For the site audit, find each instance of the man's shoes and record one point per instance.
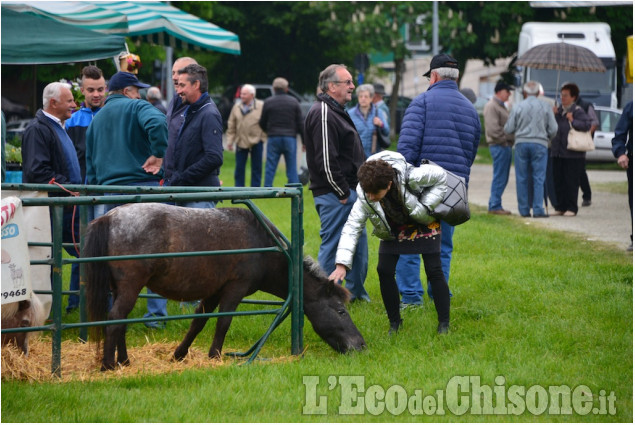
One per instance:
(630, 247)
(395, 326)
(155, 325)
(71, 309)
(410, 306)
(586, 202)
(569, 214)
(363, 298)
(556, 212)
(525, 215)
(499, 212)
(443, 328)
(543, 215)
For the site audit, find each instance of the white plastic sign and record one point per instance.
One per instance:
(16, 273)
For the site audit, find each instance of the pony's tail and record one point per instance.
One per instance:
(98, 275)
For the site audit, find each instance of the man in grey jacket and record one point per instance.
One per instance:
(534, 125)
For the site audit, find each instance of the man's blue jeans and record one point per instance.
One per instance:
(333, 216)
(256, 165)
(156, 306)
(530, 165)
(68, 228)
(502, 162)
(408, 273)
(281, 145)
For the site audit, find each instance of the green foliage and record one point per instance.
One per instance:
(13, 153)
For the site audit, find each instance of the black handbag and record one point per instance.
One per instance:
(454, 209)
(382, 140)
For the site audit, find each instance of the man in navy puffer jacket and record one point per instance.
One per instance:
(440, 125)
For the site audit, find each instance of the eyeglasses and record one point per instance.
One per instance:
(347, 82)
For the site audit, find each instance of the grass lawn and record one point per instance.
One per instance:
(534, 316)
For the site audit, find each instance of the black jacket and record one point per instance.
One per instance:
(42, 153)
(334, 150)
(281, 116)
(197, 151)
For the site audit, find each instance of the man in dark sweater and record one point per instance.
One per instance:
(281, 119)
(334, 154)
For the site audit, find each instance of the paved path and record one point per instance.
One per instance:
(607, 219)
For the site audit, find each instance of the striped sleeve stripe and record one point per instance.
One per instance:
(326, 151)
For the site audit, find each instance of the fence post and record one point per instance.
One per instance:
(56, 308)
(297, 261)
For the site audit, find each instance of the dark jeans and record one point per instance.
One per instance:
(585, 186)
(386, 266)
(629, 176)
(68, 228)
(566, 176)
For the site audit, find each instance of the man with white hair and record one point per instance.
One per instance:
(154, 97)
(244, 132)
(533, 124)
(334, 153)
(48, 155)
(440, 125)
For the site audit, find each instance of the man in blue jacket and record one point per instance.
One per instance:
(440, 125)
(125, 145)
(197, 150)
(48, 155)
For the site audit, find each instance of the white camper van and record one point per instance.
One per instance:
(596, 87)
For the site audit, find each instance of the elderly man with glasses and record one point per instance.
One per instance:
(334, 154)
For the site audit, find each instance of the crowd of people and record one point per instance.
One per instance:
(124, 140)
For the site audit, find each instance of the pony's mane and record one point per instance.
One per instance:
(313, 268)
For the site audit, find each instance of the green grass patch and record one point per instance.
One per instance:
(530, 310)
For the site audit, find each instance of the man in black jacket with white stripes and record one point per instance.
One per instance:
(334, 154)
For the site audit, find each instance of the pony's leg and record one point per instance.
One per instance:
(229, 302)
(126, 297)
(205, 306)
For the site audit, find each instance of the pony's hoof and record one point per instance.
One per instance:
(180, 355)
(124, 362)
(214, 354)
(107, 366)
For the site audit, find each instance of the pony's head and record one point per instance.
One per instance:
(325, 307)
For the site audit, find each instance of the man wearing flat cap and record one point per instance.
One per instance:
(500, 144)
(378, 101)
(440, 125)
(125, 146)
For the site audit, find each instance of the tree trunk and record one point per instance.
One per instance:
(394, 96)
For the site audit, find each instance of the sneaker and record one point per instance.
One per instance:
(569, 214)
(443, 328)
(410, 306)
(556, 212)
(586, 203)
(363, 298)
(155, 325)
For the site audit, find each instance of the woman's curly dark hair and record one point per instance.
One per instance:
(375, 175)
(572, 88)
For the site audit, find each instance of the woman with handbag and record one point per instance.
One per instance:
(371, 122)
(567, 163)
(398, 199)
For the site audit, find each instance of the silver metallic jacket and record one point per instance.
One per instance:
(425, 190)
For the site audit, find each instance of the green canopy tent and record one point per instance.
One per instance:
(28, 39)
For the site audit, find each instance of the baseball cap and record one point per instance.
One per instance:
(122, 80)
(502, 85)
(442, 61)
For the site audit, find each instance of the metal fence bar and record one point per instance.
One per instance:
(292, 250)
